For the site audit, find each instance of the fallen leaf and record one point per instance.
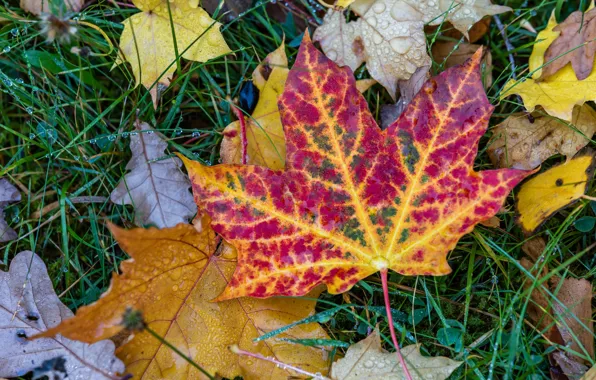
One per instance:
(8, 194)
(155, 186)
(57, 7)
(492, 222)
(147, 42)
(364, 84)
(29, 306)
(476, 32)
(575, 45)
(546, 193)
(557, 94)
(368, 360)
(391, 53)
(451, 53)
(266, 144)
(591, 374)
(353, 199)
(172, 277)
(522, 144)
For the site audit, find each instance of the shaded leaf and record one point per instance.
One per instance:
(522, 144)
(147, 42)
(8, 194)
(543, 195)
(353, 199)
(575, 45)
(452, 53)
(172, 277)
(368, 360)
(585, 224)
(557, 94)
(155, 186)
(29, 306)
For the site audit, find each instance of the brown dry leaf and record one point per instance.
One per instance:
(407, 90)
(57, 7)
(155, 185)
(522, 144)
(451, 53)
(576, 44)
(367, 360)
(172, 277)
(29, 306)
(8, 194)
(493, 222)
(476, 32)
(590, 375)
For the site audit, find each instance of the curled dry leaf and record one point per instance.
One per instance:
(368, 360)
(172, 277)
(451, 53)
(57, 7)
(29, 306)
(407, 90)
(147, 41)
(576, 44)
(559, 93)
(353, 199)
(8, 194)
(522, 144)
(543, 195)
(155, 186)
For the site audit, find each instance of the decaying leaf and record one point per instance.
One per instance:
(392, 48)
(57, 7)
(367, 360)
(155, 186)
(543, 195)
(8, 194)
(172, 277)
(353, 199)
(266, 144)
(147, 41)
(560, 92)
(451, 53)
(407, 90)
(29, 306)
(522, 144)
(576, 44)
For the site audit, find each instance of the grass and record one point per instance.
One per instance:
(65, 122)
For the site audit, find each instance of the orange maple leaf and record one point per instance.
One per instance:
(354, 199)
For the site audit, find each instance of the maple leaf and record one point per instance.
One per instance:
(353, 199)
(368, 360)
(8, 194)
(172, 277)
(575, 44)
(155, 186)
(451, 53)
(28, 306)
(147, 42)
(524, 144)
(543, 195)
(558, 93)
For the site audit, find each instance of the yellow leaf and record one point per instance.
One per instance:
(364, 84)
(543, 195)
(172, 277)
(557, 94)
(147, 42)
(266, 143)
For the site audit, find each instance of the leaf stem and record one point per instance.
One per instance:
(238, 351)
(243, 139)
(390, 319)
(170, 346)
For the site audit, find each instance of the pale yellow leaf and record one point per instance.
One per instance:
(57, 7)
(147, 41)
(367, 360)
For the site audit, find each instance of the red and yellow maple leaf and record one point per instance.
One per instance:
(354, 199)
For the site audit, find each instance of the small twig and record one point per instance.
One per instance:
(391, 328)
(243, 139)
(237, 350)
(509, 48)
